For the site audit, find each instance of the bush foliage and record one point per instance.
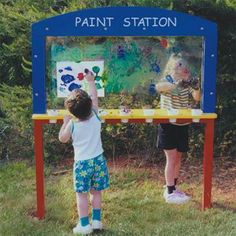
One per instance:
(15, 76)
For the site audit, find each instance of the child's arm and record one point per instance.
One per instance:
(65, 131)
(196, 95)
(92, 89)
(165, 87)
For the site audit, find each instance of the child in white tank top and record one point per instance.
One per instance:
(90, 167)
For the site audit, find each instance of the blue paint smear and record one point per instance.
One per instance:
(120, 52)
(60, 70)
(156, 68)
(67, 78)
(68, 68)
(74, 86)
(152, 89)
(169, 79)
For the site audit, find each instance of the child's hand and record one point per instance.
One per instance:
(191, 82)
(195, 83)
(89, 75)
(183, 83)
(67, 118)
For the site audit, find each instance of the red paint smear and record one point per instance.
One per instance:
(164, 43)
(80, 76)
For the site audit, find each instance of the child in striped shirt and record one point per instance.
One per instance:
(177, 90)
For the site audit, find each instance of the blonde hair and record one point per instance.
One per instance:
(173, 60)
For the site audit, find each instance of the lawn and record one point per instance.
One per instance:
(132, 206)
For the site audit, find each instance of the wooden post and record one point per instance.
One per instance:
(38, 149)
(208, 163)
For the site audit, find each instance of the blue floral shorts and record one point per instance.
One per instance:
(91, 174)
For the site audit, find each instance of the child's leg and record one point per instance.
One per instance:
(83, 226)
(82, 208)
(182, 146)
(171, 156)
(172, 167)
(177, 166)
(96, 200)
(177, 169)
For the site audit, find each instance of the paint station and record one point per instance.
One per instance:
(122, 56)
(133, 21)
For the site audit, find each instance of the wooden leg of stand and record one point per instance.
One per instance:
(38, 148)
(208, 164)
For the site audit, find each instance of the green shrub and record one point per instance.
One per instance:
(16, 128)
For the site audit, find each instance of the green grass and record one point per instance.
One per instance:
(132, 206)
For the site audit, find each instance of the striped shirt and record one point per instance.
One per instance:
(177, 99)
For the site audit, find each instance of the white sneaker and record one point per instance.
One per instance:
(176, 197)
(183, 194)
(97, 225)
(82, 229)
(177, 191)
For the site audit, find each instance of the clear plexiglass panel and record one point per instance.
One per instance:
(126, 70)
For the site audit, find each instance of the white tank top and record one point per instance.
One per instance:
(86, 138)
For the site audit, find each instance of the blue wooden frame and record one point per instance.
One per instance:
(156, 22)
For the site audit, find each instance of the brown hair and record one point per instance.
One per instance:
(79, 104)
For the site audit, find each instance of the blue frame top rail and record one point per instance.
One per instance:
(124, 21)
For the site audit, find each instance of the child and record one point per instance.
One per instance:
(175, 90)
(90, 167)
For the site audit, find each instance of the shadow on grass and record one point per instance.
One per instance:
(223, 207)
(102, 232)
